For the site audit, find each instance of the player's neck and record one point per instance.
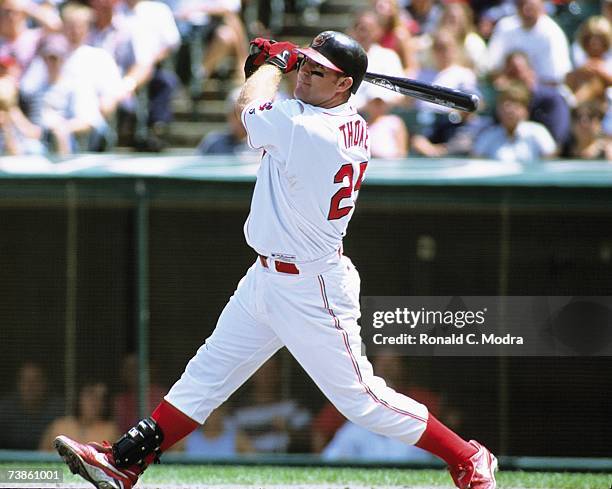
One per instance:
(335, 101)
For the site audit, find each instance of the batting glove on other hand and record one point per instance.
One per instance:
(283, 55)
(258, 53)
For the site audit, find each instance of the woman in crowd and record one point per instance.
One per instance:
(458, 19)
(590, 80)
(91, 421)
(588, 141)
(395, 33)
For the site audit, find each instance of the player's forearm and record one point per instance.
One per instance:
(261, 84)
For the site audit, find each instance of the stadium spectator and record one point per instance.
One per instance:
(112, 33)
(579, 55)
(489, 15)
(395, 33)
(125, 403)
(329, 420)
(17, 39)
(514, 138)
(352, 442)
(18, 135)
(451, 134)
(547, 106)
(458, 19)
(90, 422)
(63, 106)
(88, 68)
(128, 45)
(26, 412)
(425, 15)
(219, 26)
(481, 7)
(535, 33)
(606, 9)
(155, 22)
(449, 71)
(92, 66)
(388, 134)
(219, 437)
(232, 140)
(592, 77)
(588, 141)
(273, 424)
(9, 67)
(367, 30)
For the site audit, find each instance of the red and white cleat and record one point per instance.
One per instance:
(478, 472)
(94, 463)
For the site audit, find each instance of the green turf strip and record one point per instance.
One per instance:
(374, 477)
(264, 475)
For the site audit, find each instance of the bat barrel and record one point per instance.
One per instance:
(435, 94)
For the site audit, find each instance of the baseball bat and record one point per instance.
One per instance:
(449, 97)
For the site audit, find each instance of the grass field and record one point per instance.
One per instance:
(204, 476)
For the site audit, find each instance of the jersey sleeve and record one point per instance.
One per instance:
(270, 125)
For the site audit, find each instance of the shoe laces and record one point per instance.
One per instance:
(459, 472)
(104, 447)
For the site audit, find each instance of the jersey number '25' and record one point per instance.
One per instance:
(346, 170)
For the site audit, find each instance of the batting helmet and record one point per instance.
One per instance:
(340, 53)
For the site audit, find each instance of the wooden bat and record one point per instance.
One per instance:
(455, 99)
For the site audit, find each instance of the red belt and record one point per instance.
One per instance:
(280, 266)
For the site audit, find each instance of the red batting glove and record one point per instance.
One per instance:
(284, 55)
(258, 53)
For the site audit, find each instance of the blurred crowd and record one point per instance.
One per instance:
(543, 71)
(268, 415)
(92, 75)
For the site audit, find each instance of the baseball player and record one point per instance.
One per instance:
(301, 292)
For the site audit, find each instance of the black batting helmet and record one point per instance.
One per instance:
(340, 53)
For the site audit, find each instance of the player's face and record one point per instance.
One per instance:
(318, 85)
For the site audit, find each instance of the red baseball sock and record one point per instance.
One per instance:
(445, 443)
(174, 424)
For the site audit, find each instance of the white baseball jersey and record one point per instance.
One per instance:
(311, 171)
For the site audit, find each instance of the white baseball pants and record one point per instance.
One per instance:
(314, 314)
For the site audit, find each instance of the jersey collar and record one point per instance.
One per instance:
(345, 109)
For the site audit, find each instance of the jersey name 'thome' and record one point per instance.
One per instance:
(310, 174)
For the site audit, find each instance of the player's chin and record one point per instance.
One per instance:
(301, 90)
(300, 94)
